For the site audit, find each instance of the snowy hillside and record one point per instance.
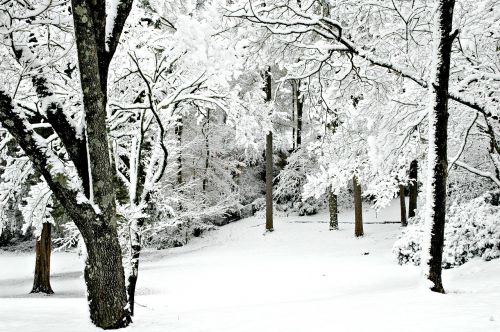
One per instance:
(300, 278)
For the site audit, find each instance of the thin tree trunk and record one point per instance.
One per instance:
(207, 150)
(333, 209)
(402, 205)
(269, 182)
(269, 159)
(358, 208)
(438, 141)
(178, 133)
(294, 108)
(300, 107)
(135, 251)
(413, 188)
(41, 282)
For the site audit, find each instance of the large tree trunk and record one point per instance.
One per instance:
(333, 209)
(438, 139)
(413, 188)
(104, 277)
(358, 208)
(269, 159)
(402, 205)
(41, 282)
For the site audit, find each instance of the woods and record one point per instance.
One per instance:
(128, 126)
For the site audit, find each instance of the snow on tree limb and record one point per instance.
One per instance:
(66, 187)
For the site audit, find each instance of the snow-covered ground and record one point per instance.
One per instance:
(301, 277)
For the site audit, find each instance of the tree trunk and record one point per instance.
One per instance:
(413, 188)
(178, 133)
(438, 139)
(402, 205)
(300, 107)
(207, 150)
(104, 277)
(358, 208)
(269, 182)
(294, 110)
(41, 282)
(269, 159)
(135, 251)
(332, 207)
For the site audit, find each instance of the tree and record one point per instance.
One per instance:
(269, 158)
(333, 210)
(43, 247)
(413, 188)
(438, 141)
(89, 201)
(358, 207)
(402, 205)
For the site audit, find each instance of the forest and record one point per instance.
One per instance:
(250, 165)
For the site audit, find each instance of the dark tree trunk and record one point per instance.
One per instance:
(104, 277)
(178, 133)
(206, 131)
(358, 208)
(413, 188)
(135, 248)
(300, 107)
(402, 205)
(438, 159)
(333, 209)
(269, 159)
(294, 107)
(269, 182)
(43, 247)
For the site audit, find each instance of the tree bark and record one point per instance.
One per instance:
(43, 247)
(105, 279)
(438, 134)
(178, 133)
(402, 205)
(269, 182)
(358, 208)
(333, 209)
(413, 188)
(300, 107)
(135, 251)
(269, 159)
(294, 110)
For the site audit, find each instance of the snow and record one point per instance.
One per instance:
(111, 13)
(301, 277)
